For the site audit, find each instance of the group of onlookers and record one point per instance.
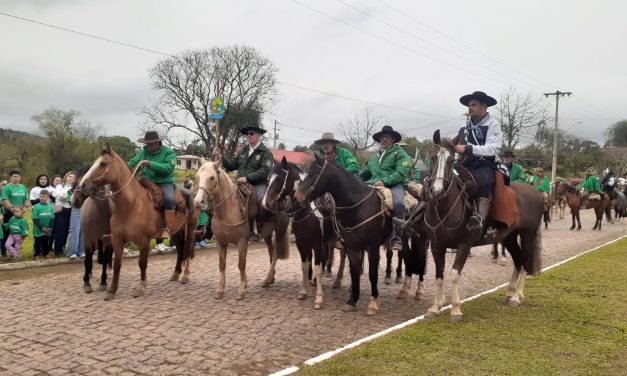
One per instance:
(53, 220)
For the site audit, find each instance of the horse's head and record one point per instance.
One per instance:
(105, 170)
(208, 180)
(311, 186)
(282, 187)
(442, 156)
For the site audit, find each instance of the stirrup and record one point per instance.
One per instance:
(165, 233)
(474, 224)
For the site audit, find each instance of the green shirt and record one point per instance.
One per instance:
(16, 194)
(161, 168)
(543, 186)
(203, 218)
(18, 226)
(517, 175)
(45, 214)
(390, 166)
(591, 184)
(256, 168)
(345, 159)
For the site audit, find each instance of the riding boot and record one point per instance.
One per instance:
(476, 221)
(395, 242)
(169, 223)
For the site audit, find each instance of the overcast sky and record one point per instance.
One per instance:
(420, 56)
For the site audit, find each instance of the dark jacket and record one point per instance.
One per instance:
(257, 168)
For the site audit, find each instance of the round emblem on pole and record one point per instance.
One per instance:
(216, 108)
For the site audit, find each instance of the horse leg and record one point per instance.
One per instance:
(107, 255)
(354, 263)
(243, 282)
(319, 264)
(389, 255)
(273, 257)
(399, 268)
(187, 254)
(305, 258)
(512, 297)
(406, 254)
(460, 260)
(222, 266)
(373, 274)
(143, 265)
(439, 259)
(330, 256)
(340, 271)
(421, 266)
(118, 249)
(495, 253)
(502, 258)
(88, 268)
(180, 251)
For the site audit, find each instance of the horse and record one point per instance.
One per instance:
(96, 232)
(414, 254)
(230, 225)
(574, 201)
(446, 214)
(137, 218)
(314, 235)
(362, 219)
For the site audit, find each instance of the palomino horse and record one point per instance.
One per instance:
(574, 201)
(137, 219)
(313, 235)
(448, 209)
(361, 218)
(230, 225)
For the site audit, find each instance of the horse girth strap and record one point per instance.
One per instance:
(351, 229)
(357, 204)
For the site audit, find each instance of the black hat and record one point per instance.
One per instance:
(509, 153)
(387, 130)
(245, 130)
(480, 96)
(149, 136)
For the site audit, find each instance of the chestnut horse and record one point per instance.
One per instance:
(136, 219)
(574, 201)
(230, 225)
(446, 214)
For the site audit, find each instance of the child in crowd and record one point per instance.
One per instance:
(18, 230)
(13, 195)
(43, 219)
(203, 218)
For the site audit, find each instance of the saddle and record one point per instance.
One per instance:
(247, 199)
(183, 198)
(594, 196)
(503, 207)
(410, 201)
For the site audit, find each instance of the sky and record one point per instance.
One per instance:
(409, 61)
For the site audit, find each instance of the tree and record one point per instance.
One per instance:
(282, 146)
(519, 115)
(301, 148)
(357, 132)
(617, 134)
(240, 75)
(122, 145)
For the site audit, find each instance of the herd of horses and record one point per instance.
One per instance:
(322, 204)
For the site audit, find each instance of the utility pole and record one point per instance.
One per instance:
(557, 94)
(274, 135)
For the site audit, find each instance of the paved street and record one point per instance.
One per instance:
(50, 327)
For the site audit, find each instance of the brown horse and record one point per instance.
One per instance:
(137, 219)
(574, 201)
(230, 225)
(447, 212)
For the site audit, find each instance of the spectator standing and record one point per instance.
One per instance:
(43, 220)
(55, 181)
(13, 195)
(63, 211)
(42, 182)
(76, 247)
(18, 230)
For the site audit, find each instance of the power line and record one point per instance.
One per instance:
(176, 57)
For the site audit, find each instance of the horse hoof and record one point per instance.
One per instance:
(371, 311)
(418, 296)
(240, 295)
(102, 288)
(579, 229)
(431, 314)
(399, 280)
(494, 261)
(313, 282)
(87, 289)
(388, 280)
(336, 285)
(402, 294)
(109, 296)
(506, 299)
(218, 295)
(349, 308)
(267, 282)
(301, 296)
(328, 273)
(185, 280)
(317, 306)
(513, 303)
(138, 292)
(456, 318)
(503, 262)
(175, 277)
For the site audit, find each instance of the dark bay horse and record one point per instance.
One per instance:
(230, 225)
(314, 236)
(137, 219)
(446, 214)
(361, 217)
(574, 201)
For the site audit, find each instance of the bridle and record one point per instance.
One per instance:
(316, 180)
(282, 195)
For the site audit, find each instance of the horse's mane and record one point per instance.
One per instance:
(352, 178)
(278, 166)
(447, 143)
(568, 187)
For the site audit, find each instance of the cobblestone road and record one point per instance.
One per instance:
(48, 326)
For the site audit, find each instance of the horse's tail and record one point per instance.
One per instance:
(533, 245)
(282, 238)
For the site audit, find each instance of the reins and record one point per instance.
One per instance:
(244, 214)
(441, 220)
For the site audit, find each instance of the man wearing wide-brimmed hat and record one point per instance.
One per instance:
(333, 153)
(608, 184)
(253, 163)
(158, 162)
(389, 167)
(480, 141)
(591, 183)
(516, 173)
(542, 184)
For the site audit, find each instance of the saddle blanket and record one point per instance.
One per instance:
(594, 196)
(410, 202)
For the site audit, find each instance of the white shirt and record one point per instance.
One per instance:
(61, 193)
(251, 150)
(34, 193)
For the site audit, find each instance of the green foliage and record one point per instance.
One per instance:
(423, 147)
(617, 134)
(122, 145)
(23, 151)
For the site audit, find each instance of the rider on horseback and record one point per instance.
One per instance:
(158, 163)
(609, 184)
(333, 153)
(253, 163)
(516, 173)
(590, 185)
(389, 168)
(480, 141)
(541, 183)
